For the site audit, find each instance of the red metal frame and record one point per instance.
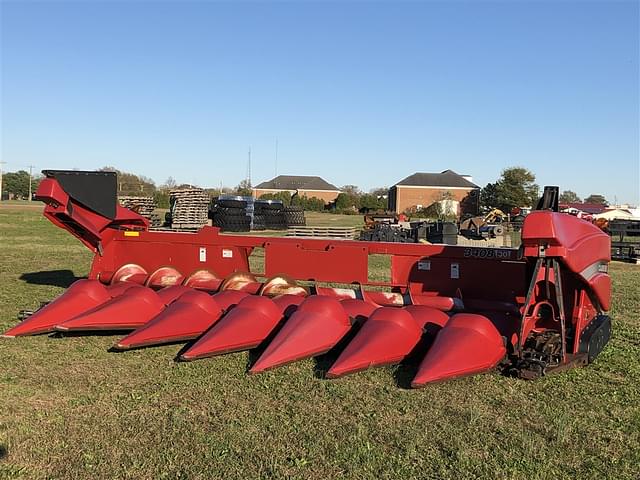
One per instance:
(88, 226)
(426, 269)
(482, 278)
(556, 282)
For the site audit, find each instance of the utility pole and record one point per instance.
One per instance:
(276, 156)
(30, 177)
(1, 163)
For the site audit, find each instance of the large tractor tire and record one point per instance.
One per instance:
(236, 223)
(232, 222)
(230, 210)
(294, 216)
(271, 206)
(228, 203)
(274, 219)
(259, 222)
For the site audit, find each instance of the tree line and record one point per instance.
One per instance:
(350, 200)
(16, 184)
(516, 187)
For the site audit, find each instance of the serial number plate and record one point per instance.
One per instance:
(499, 253)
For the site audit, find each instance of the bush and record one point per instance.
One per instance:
(372, 202)
(312, 204)
(345, 201)
(284, 197)
(161, 198)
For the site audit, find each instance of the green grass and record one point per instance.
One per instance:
(320, 219)
(71, 409)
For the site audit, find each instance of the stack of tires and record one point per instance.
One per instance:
(230, 214)
(259, 220)
(294, 216)
(268, 215)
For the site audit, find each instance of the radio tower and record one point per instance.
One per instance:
(249, 169)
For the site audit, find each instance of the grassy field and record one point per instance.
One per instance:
(71, 409)
(327, 219)
(320, 219)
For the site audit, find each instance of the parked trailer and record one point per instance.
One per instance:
(460, 310)
(625, 245)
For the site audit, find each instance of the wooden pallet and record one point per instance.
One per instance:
(145, 206)
(189, 208)
(322, 232)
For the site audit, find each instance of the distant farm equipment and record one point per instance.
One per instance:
(625, 240)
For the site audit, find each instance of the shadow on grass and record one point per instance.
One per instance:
(404, 374)
(185, 347)
(57, 278)
(408, 368)
(3, 452)
(255, 353)
(89, 333)
(176, 358)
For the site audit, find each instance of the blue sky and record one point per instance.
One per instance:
(358, 93)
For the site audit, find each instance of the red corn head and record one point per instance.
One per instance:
(183, 320)
(241, 281)
(339, 293)
(446, 304)
(358, 310)
(203, 280)
(428, 317)
(467, 344)
(386, 299)
(288, 303)
(81, 296)
(387, 337)
(245, 327)
(317, 325)
(119, 288)
(229, 298)
(130, 273)
(164, 277)
(135, 307)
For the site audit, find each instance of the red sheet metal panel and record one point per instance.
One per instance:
(341, 263)
(186, 252)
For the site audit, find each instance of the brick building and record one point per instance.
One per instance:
(421, 190)
(303, 186)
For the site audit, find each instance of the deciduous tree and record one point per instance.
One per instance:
(516, 187)
(569, 197)
(596, 198)
(244, 188)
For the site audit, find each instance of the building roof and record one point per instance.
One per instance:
(297, 182)
(445, 179)
(616, 213)
(591, 208)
